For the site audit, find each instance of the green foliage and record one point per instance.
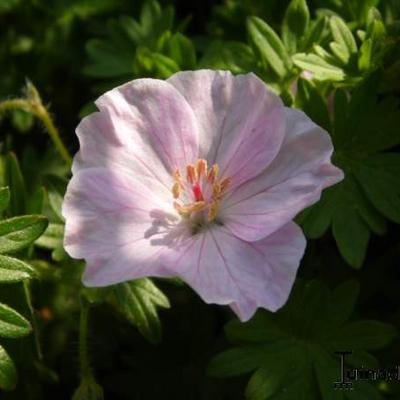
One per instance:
(291, 352)
(269, 47)
(295, 24)
(18, 232)
(14, 270)
(364, 130)
(345, 61)
(15, 234)
(8, 374)
(148, 47)
(12, 324)
(138, 300)
(4, 198)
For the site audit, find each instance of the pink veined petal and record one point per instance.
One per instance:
(293, 181)
(241, 121)
(103, 144)
(117, 224)
(150, 119)
(224, 269)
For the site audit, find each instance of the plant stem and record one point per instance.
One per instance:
(35, 107)
(48, 123)
(33, 318)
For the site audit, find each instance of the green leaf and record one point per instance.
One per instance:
(295, 23)
(14, 270)
(326, 371)
(108, 61)
(52, 237)
(365, 56)
(235, 362)
(139, 300)
(340, 115)
(36, 201)
(379, 176)
(312, 103)
(18, 232)
(182, 51)
(8, 374)
(233, 56)
(369, 335)
(4, 198)
(270, 47)
(262, 384)
(340, 52)
(164, 65)
(12, 324)
(319, 67)
(363, 128)
(342, 35)
(317, 219)
(351, 234)
(315, 34)
(301, 362)
(343, 301)
(56, 187)
(126, 51)
(15, 181)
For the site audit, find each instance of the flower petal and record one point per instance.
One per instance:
(117, 224)
(103, 144)
(293, 181)
(151, 118)
(224, 269)
(241, 121)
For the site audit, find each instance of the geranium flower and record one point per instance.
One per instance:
(199, 177)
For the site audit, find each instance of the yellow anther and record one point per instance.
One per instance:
(191, 174)
(176, 190)
(182, 210)
(197, 206)
(216, 190)
(225, 184)
(177, 176)
(213, 210)
(202, 189)
(202, 168)
(212, 175)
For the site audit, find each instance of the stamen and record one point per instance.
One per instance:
(185, 211)
(191, 174)
(202, 168)
(213, 210)
(216, 190)
(176, 190)
(197, 206)
(182, 210)
(177, 176)
(212, 175)
(225, 184)
(200, 193)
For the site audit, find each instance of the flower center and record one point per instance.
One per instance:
(200, 192)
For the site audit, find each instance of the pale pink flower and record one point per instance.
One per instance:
(199, 177)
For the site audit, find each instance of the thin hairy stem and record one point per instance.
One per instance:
(34, 106)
